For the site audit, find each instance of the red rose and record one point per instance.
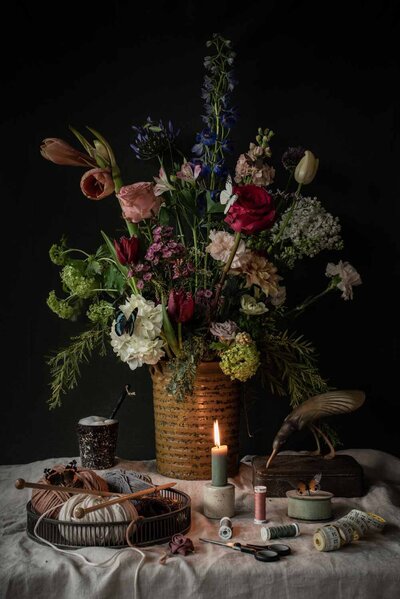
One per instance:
(253, 210)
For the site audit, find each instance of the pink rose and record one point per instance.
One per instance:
(138, 201)
(97, 183)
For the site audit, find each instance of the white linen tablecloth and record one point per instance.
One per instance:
(368, 569)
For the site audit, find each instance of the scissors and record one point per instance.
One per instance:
(262, 553)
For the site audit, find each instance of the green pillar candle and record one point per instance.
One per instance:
(219, 455)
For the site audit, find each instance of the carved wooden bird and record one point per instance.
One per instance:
(319, 406)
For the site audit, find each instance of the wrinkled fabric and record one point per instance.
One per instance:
(368, 569)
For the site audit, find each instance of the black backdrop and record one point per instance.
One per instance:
(314, 73)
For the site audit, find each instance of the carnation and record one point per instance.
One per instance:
(259, 271)
(346, 275)
(221, 246)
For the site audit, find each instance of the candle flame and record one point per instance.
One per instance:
(217, 439)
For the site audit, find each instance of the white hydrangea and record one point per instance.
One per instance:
(143, 346)
(310, 230)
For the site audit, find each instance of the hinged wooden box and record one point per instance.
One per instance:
(342, 476)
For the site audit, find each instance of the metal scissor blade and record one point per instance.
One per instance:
(229, 545)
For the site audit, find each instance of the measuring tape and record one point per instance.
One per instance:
(344, 531)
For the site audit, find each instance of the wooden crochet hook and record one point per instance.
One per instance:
(79, 512)
(20, 483)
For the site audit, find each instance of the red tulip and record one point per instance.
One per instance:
(180, 305)
(127, 250)
(97, 183)
(60, 152)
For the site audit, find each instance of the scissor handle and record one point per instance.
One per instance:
(266, 555)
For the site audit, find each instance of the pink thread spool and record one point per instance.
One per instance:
(260, 496)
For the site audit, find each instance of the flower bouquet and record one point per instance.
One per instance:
(202, 273)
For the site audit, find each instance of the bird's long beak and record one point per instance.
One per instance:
(271, 457)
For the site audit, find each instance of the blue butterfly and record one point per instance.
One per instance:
(124, 325)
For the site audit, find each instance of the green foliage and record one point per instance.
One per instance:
(66, 364)
(100, 312)
(183, 367)
(289, 367)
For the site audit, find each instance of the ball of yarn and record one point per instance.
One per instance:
(102, 534)
(43, 500)
(126, 481)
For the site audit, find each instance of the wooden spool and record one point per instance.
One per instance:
(184, 429)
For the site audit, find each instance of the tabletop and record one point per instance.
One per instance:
(367, 569)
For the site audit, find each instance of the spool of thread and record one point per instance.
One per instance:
(94, 535)
(279, 532)
(225, 528)
(260, 496)
(43, 500)
(347, 529)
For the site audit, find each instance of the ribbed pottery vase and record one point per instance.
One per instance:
(184, 429)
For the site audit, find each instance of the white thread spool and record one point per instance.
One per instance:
(95, 535)
(225, 528)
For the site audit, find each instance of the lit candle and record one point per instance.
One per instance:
(219, 455)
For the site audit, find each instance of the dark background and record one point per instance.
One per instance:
(313, 72)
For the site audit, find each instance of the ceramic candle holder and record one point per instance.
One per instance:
(219, 501)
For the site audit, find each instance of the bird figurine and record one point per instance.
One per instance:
(314, 408)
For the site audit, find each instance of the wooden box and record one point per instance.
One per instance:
(342, 476)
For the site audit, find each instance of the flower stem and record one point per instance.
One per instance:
(287, 219)
(180, 335)
(76, 250)
(308, 302)
(226, 269)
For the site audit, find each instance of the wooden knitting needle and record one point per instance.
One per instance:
(20, 483)
(79, 512)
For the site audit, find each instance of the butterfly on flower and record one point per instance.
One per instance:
(311, 487)
(124, 325)
(226, 197)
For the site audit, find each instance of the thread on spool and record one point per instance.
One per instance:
(43, 501)
(260, 496)
(279, 532)
(96, 535)
(225, 528)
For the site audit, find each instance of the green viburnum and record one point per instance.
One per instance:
(57, 253)
(60, 307)
(76, 283)
(240, 361)
(100, 312)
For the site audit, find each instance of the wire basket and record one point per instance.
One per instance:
(149, 531)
